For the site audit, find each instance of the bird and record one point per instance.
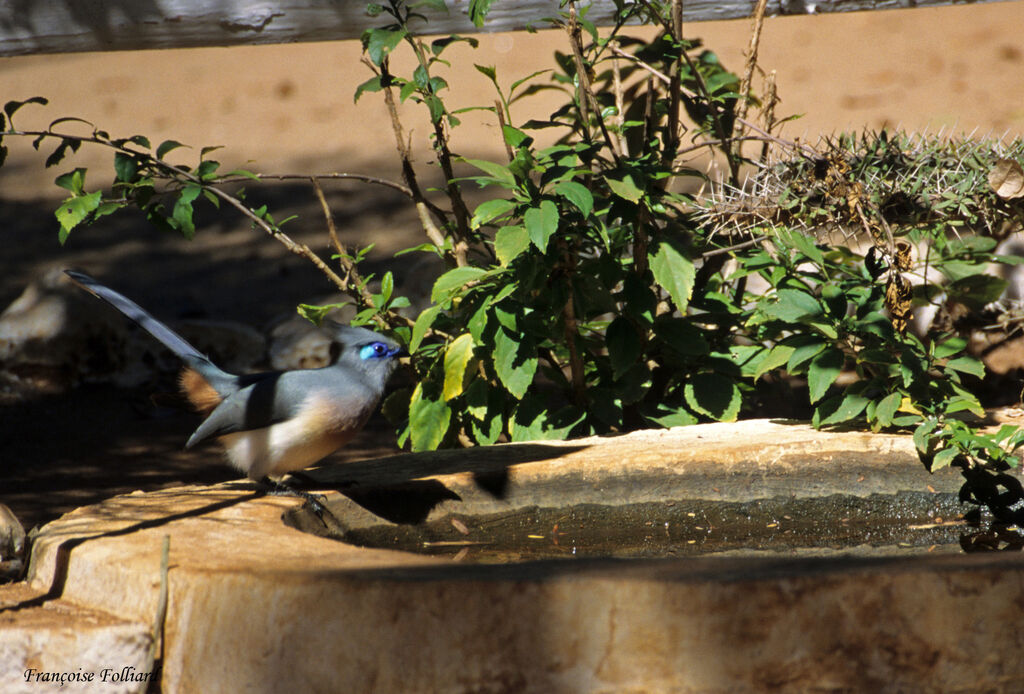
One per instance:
(276, 422)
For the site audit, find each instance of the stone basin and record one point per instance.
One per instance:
(259, 595)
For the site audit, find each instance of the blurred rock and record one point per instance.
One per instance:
(55, 336)
(12, 546)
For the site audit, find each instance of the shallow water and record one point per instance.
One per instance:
(907, 522)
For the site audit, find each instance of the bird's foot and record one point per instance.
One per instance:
(317, 502)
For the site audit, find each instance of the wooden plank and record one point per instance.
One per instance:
(61, 26)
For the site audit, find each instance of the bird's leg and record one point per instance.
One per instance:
(316, 501)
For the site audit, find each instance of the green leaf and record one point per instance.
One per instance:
(515, 361)
(429, 419)
(436, 5)
(453, 280)
(671, 418)
(541, 223)
(371, 85)
(626, 189)
(478, 10)
(624, 346)
(840, 409)
(674, 273)
(713, 395)
(167, 146)
(74, 211)
(182, 213)
(378, 43)
(11, 106)
(808, 348)
(126, 169)
(967, 365)
(943, 458)
(534, 420)
(73, 181)
(509, 242)
(823, 371)
(887, 407)
(496, 171)
(923, 435)
(456, 357)
(488, 71)
(792, 304)
(515, 137)
(778, 356)
(207, 169)
(577, 194)
(315, 314)
(490, 210)
(423, 323)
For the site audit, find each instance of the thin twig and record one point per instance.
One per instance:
(755, 43)
(394, 185)
(587, 100)
(501, 123)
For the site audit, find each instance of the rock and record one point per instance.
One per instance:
(257, 605)
(12, 546)
(56, 336)
(295, 343)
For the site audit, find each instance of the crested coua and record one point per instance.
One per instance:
(275, 422)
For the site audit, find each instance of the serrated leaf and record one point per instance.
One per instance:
(456, 357)
(541, 223)
(887, 408)
(713, 395)
(943, 458)
(626, 189)
(423, 323)
(671, 418)
(73, 181)
(371, 85)
(488, 71)
(489, 211)
(577, 194)
(624, 346)
(126, 169)
(674, 273)
(515, 362)
(74, 211)
(846, 407)
(509, 242)
(778, 356)
(494, 170)
(792, 304)
(923, 434)
(967, 365)
(429, 419)
(823, 371)
(182, 213)
(453, 280)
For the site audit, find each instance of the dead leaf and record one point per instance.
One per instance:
(1007, 179)
(898, 295)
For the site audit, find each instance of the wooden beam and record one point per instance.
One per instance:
(62, 26)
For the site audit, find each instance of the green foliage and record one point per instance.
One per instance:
(590, 293)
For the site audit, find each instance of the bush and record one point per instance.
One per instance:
(606, 285)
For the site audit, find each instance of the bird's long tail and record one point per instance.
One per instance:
(192, 357)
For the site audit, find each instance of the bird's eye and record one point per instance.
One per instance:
(374, 350)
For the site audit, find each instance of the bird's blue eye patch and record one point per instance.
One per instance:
(377, 350)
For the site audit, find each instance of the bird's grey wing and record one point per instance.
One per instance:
(281, 396)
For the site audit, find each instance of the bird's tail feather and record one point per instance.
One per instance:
(170, 339)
